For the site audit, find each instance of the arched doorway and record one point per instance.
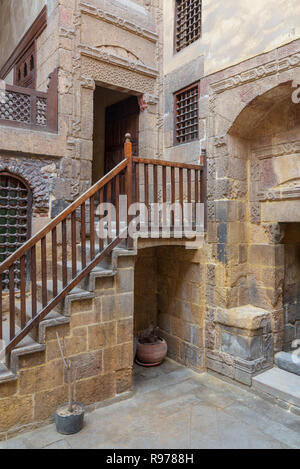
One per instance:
(15, 218)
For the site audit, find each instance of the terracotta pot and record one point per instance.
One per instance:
(151, 354)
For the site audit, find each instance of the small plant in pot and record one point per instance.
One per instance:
(69, 417)
(151, 348)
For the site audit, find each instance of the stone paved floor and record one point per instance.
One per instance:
(172, 408)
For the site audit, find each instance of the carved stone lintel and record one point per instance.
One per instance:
(275, 232)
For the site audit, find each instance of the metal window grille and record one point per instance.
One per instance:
(187, 114)
(188, 22)
(15, 216)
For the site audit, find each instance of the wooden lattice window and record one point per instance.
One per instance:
(187, 114)
(15, 219)
(188, 19)
(25, 73)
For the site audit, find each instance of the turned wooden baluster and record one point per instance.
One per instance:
(44, 271)
(203, 186)
(54, 262)
(23, 291)
(74, 244)
(83, 236)
(12, 306)
(92, 226)
(33, 281)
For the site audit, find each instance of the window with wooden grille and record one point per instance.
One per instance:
(15, 220)
(187, 114)
(188, 18)
(25, 70)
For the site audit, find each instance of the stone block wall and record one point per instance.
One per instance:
(170, 294)
(145, 289)
(99, 341)
(291, 288)
(181, 304)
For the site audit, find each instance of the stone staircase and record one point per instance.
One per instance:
(281, 384)
(35, 342)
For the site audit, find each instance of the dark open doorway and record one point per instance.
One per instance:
(115, 114)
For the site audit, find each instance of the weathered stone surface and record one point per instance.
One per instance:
(244, 317)
(248, 348)
(58, 206)
(16, 411)
(46, 402)
(280, 384)
(96, 389)
(87, 365)
(101, 335)
(288, 361)
(123, 380)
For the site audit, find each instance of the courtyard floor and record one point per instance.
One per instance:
(175, 408)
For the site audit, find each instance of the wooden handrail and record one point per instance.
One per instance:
(27, 91)
(170, 164)
(63, 215)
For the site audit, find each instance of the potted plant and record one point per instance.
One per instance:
(151, 348)
(69, 417)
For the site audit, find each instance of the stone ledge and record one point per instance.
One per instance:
(243, 317)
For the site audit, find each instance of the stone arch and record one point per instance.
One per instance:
(15, 218)
(39, 176)
(261, 168)
(258, 110)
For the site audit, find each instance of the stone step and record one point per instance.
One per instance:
(288, 361)
(76, 293)
(279, 384)
(88, 283)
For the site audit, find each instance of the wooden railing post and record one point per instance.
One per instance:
(129, 181)
(203, 186)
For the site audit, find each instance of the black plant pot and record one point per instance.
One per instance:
(69, 423)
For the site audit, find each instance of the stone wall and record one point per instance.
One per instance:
(291, 287)
(181, 304)
(253, 185)
(170, 294)
(145, 290)
(99, 341)
(233, 32)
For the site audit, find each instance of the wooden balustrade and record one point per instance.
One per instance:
(61, 255)
(30, 109)
(167, 182)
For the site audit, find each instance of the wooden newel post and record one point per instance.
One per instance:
(203, 185)
(129, 181)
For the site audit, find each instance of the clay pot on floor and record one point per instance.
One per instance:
(151, 354)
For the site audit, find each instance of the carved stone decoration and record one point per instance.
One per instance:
(271, 68)
(275, 232)
(142, 103)
(111, 54)
(88, 83)
(108, 17)
(117, 76)
(255, 212)
(120, 51)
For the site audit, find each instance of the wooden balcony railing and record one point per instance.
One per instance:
(59, 257)
(30, 109)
